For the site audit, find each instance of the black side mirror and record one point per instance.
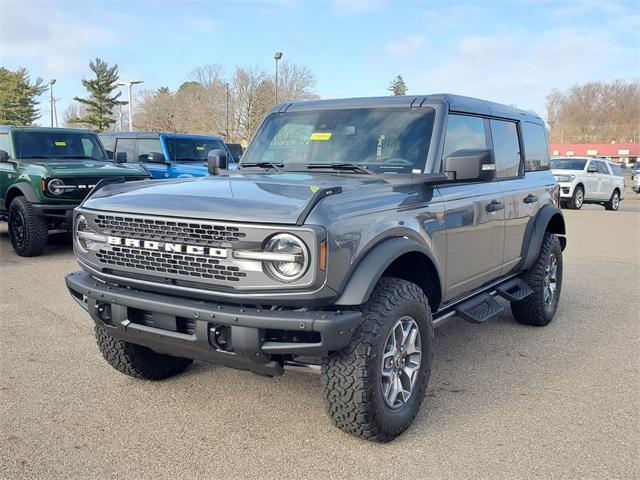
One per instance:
(4, 156)
(592, 169)
(156, 157)
(216, 161)
(121, 157)
(469, 165)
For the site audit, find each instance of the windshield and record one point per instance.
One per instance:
(568, 163)
(192, 149)
(386, 140)
(57, 144)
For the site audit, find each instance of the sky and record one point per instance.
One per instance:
(511, 51)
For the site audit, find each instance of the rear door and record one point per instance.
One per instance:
(474, 214)
(144, 147)
(606, 184)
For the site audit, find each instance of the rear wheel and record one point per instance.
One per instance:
(614, 201)
(138, 361)
(375, 386)
(545, 279)
(577, 200)
(28, 231)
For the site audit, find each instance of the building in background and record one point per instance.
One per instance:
(625, 153)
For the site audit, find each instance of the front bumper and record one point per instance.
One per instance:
(566, 189)
(187, 328)
(62, 212)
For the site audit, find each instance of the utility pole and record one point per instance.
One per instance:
(277, 57)
(130, 83)
(51, 83)
(227, 136)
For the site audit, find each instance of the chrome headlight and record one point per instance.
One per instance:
(290, 259)
(55, 186)
(564, 178)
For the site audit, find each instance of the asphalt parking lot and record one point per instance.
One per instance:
(505, 400)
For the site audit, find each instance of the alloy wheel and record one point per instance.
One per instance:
(550, 280)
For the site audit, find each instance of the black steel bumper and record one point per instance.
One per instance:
(56, 212)
(186, 328)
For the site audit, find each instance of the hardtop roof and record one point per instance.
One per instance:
(153, 134)
(8, 128)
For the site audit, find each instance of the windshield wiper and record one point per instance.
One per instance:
(37, 156)
(190, 159)
(275, 166)
(341, 166)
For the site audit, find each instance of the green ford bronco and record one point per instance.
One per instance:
(44, 174)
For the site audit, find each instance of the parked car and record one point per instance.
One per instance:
(635, 170)
(588, 180)
(163, 155)
(351, 229)
(44, 174)
(636, 182)
(236, 151)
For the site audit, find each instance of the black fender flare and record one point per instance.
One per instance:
(367, 272)
(22, 189)
(548, 219)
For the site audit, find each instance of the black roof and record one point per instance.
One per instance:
(454, 103)
(154, 135)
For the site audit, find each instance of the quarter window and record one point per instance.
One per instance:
(506, 148)
(125, 148)
(464, 132)
(146, 146)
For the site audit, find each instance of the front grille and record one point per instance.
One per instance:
(171, 263)
(169, 231)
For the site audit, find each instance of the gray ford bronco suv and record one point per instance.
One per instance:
(351, 229)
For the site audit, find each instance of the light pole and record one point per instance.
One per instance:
(277, 57)
(51, 83)
(227, 85)
(130, 83)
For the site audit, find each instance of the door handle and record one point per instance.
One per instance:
(494, 206)
(530, 198)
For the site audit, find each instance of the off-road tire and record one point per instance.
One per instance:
(612, 204)
(352, 377)
(138, 361)
(533, 310)
(33, 239)
(572, 203)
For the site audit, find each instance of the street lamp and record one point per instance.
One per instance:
(51, 83)
(277, 57)
(130, 83)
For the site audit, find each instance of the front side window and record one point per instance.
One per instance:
(191, 149)
(124, 150)
(109, 144)
(386, 140)
(506, 148)
(464, 132)
(146, 146)
(59, 144)
(536, 150)
(602, 167)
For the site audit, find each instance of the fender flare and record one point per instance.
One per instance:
(547, 216)
(365, 275)
(24, 189)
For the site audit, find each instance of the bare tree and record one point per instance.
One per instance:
(157, 111)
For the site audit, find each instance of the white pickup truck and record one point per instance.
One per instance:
(588, 180)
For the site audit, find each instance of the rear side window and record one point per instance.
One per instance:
(146, 146)
(124, 149)
(464, 132)
(506, 148)
(109, 144)
(536, 150)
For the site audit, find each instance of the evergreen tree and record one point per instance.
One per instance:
(19, 97)
(397, 86)
(101, 101)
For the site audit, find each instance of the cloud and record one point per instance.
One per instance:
(404, 47)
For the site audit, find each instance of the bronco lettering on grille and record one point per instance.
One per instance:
(169, 247)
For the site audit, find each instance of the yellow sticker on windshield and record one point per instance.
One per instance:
(314, 188)
(320, 136)
(199, 148)
(61, 144)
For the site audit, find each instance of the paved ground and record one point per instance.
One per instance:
(505, 401)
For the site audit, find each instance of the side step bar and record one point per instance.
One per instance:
(514, 290)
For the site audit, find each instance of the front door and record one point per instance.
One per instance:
(474, 215)
(144, 148)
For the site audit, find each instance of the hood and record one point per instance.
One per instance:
(279, 198)
(89, 168)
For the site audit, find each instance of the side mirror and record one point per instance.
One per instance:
(156, 157)
(216, 161)
(470, 165)
(592, 169)
(4, 156)
(121, 157)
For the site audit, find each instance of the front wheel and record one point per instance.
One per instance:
(28, 230)
(545, 279)
(577, 200)
(614, 201)
(375, 386)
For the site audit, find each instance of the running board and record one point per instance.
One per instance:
(479, 309)
(514, 290)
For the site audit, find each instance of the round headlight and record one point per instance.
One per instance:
(295, 254)
(80, 225)
(55, 186)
